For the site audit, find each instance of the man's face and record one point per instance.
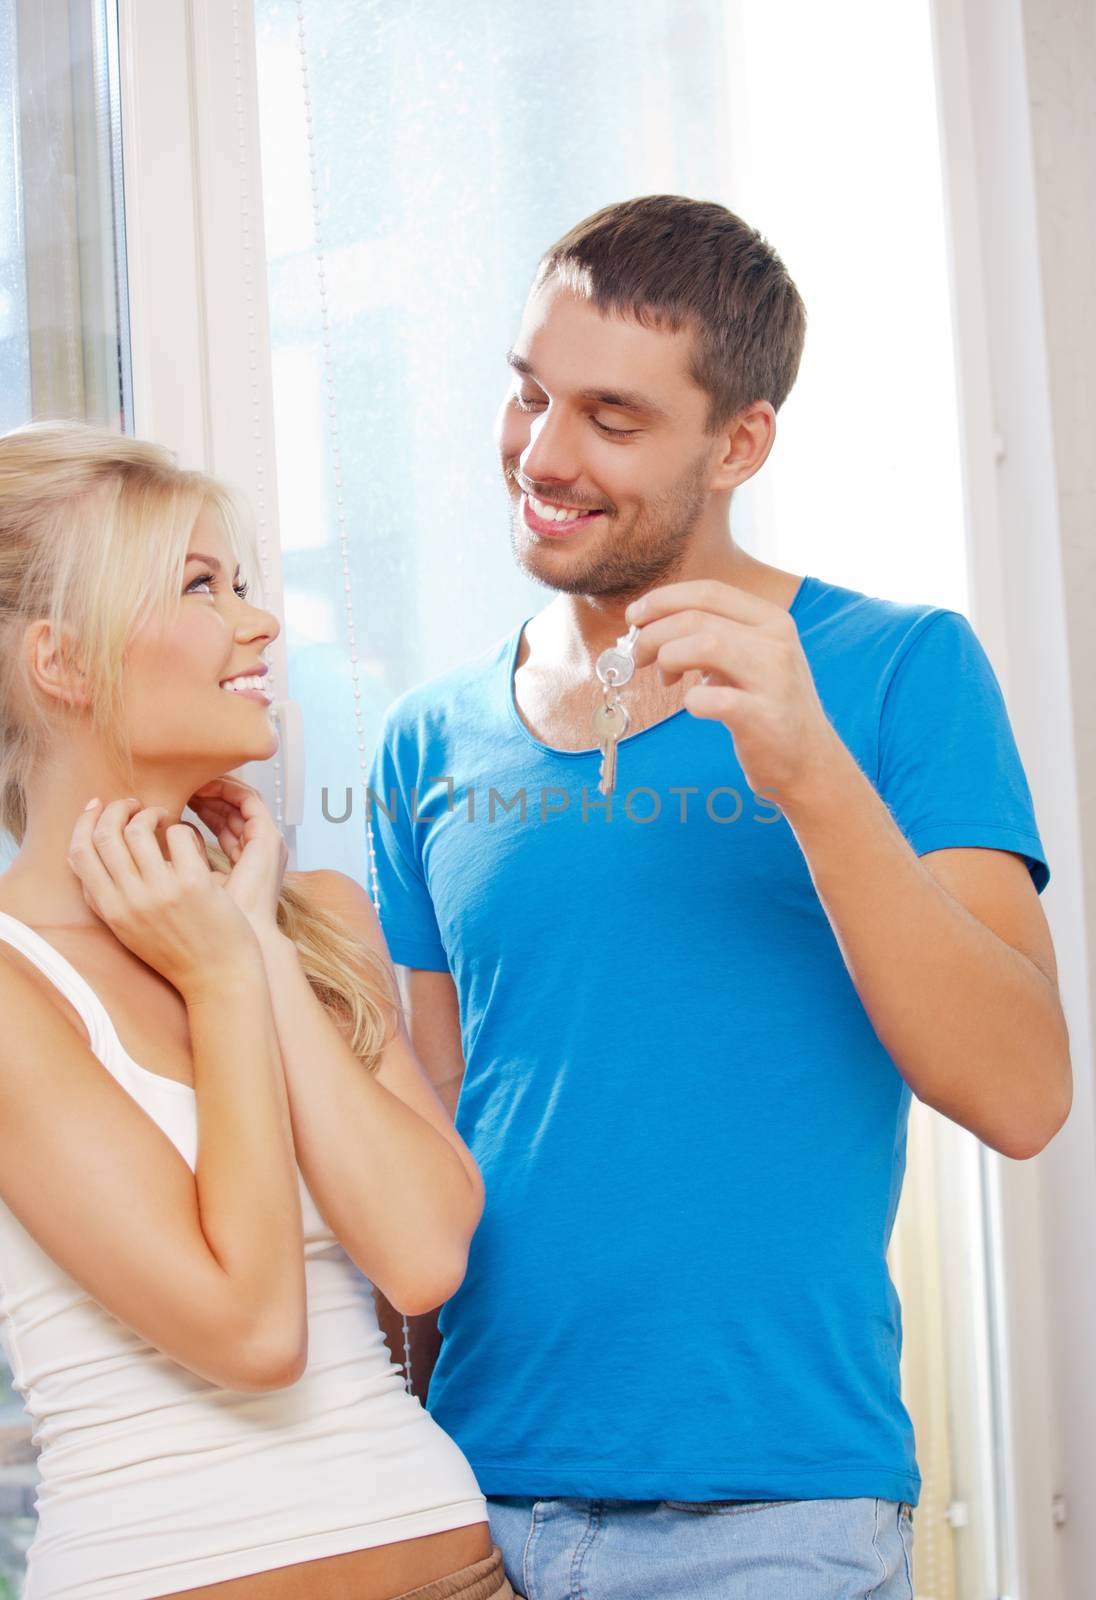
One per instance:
(602, 419)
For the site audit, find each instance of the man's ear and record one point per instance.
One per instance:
(744, 443)
(51, 663)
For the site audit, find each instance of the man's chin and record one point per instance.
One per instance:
(587, 580)
(566, 570)
(544, 566)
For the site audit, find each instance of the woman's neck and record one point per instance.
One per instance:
(40, 887)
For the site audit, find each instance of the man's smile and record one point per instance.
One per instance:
(554, 521)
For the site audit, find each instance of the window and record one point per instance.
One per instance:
(64, 255)
(418, 159)
(63, 352)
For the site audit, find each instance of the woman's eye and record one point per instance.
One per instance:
(242, 588)
(528, 402)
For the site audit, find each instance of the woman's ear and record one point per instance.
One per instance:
(51, 665)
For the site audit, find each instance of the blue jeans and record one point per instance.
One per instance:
(705, 1550)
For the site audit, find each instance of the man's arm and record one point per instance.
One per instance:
(949, 952)
(433, 1020)
(951, 956)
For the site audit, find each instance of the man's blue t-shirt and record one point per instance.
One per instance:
(691, 1137)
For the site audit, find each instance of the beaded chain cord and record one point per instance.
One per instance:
(340, 511)
(374, 894)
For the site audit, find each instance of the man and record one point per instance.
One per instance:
(685, 1023)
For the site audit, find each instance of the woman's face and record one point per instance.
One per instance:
(180, 717)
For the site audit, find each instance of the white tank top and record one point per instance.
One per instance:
(152, 1479)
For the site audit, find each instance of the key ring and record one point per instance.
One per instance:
(615, 667)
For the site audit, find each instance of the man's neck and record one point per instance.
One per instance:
(573, 630)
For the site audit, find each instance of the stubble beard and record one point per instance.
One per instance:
(657, 545)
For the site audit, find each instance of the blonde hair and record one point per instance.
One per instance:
(94, 533)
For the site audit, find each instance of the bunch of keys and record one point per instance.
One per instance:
(615, 667)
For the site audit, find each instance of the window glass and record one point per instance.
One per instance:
(64, 352)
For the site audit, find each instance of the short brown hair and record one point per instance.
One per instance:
(672, 262)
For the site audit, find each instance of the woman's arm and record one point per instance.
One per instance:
(207, 1266)
(378, 1151)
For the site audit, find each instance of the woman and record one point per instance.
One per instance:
(210, 1113)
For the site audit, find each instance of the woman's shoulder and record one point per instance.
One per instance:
(22, 973)
(317, 883)
(338, 893)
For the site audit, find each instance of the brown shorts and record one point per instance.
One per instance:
(483, 1580)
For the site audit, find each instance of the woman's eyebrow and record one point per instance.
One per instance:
(196, 555)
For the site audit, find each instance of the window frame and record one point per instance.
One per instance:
(1044, 1313)
(199, 323)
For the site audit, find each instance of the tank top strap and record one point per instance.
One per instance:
(64, 976)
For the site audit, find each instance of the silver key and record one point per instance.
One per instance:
(616, 666)
(610, 724)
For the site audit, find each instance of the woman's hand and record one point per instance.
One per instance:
(252, 841)
(171, 911)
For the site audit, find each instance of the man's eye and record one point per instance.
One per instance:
(619, 433)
